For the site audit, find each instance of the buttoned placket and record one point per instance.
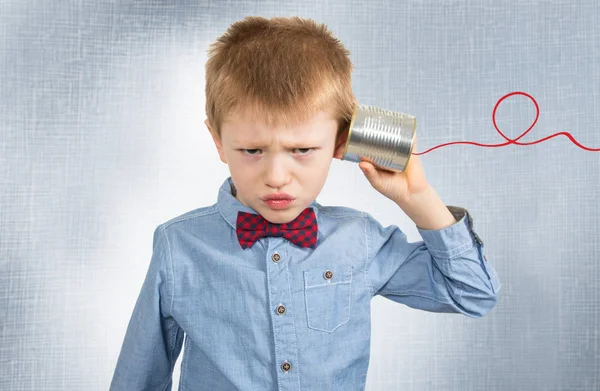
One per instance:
(282, 314)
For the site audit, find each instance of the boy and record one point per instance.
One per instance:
(272, 289)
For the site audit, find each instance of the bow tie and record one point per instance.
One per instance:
(302, 231)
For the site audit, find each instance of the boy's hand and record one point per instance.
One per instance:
(399, 187)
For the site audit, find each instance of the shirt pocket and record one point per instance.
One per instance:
(328, 297)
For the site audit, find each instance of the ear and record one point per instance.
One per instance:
(217, 141)
(340, 145)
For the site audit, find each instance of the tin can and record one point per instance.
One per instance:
(385, 138)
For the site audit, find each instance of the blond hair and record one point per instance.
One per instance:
(284, 69)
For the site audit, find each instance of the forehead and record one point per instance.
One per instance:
(249, 125)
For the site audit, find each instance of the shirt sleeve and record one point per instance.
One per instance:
(153, 339)
(447, 271)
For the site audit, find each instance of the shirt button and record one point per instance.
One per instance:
(280, 309)
(328, 274)
(286, 366)
(275, 257)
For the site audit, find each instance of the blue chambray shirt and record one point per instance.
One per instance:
(281, 317)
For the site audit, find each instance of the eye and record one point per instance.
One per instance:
(251, 152)
(304, 151)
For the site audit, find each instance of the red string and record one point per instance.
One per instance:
(514, 141)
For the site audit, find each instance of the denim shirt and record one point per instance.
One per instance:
(277, 316)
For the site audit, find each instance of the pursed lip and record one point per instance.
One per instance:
(277, 196)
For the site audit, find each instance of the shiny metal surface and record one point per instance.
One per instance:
(384, 137)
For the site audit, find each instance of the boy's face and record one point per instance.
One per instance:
(265, 160)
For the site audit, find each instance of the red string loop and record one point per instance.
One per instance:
(514, 141)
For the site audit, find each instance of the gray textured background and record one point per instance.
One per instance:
(101, 110)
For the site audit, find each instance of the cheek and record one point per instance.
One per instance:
(245, 169)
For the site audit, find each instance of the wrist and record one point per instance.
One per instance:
(415, 197)
(427, 210)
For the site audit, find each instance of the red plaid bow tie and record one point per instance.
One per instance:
(302, 231)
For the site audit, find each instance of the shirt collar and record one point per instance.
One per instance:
(229, 206)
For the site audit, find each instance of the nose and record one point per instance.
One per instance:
(276, 174)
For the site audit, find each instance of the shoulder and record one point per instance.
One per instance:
(195, 217)
(356, 219)
(342, 216)
(340, 212)
(343, 212)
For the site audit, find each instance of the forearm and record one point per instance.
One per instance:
(427, 210)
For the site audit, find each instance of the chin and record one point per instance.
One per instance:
(280, 216)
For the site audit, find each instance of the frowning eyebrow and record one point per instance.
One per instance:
(256, 144)
(263, 147)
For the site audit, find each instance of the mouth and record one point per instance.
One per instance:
(278, 203)
(278, 197)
